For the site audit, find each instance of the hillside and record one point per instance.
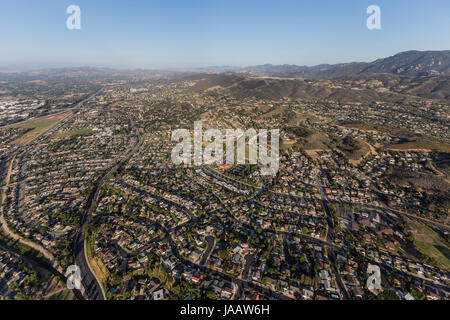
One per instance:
(355, 88)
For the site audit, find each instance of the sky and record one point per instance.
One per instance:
(161, 34)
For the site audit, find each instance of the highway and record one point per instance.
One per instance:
(20, 152)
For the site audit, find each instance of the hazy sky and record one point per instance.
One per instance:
(196, 33)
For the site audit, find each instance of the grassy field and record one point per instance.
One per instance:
(75, 133)
(429, 243)
(65, 294)
(316, 141)
(38, 126)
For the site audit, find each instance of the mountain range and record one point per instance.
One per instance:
(405, 77)
(408, 63)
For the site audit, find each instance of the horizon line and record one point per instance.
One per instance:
(18, 69)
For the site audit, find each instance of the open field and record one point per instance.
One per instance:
(362, 126)
(64, 294)
(75, 133)
(297, 118)
(418, 180)
(430, 243)
(420, 145)
(411, 141)
(315, 141)
(274, 112)
(38, 126)
(287, 145)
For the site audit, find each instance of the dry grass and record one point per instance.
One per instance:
(38, 127)
(420, 145)
(299, 118)
(100, 270)
(430, 243)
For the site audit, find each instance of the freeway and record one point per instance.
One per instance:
(76, 106)
(20, 153)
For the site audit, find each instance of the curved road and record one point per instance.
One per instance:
(90, 281)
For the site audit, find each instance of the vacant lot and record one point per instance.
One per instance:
(315, 141)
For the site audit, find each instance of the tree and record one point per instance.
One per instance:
(305, 230)
(211, 295)
(21, 296)
(126, 295)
